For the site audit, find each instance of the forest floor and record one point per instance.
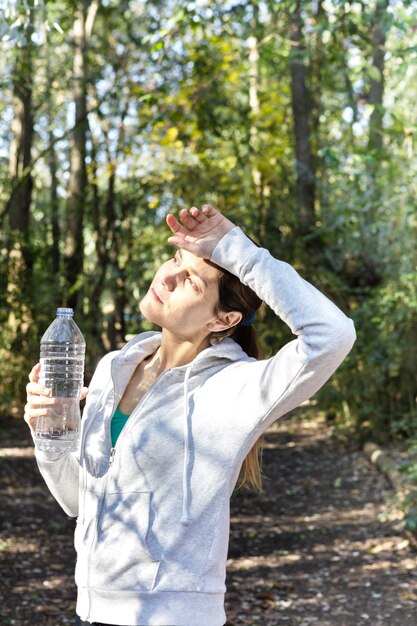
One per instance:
(321, 546)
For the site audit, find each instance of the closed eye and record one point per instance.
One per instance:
(192, 283)
(177, 262)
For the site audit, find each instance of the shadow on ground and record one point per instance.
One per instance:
(322, 545)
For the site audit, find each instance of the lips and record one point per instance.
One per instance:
(155, 295)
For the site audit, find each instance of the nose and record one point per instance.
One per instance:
(169, 282)
(172, 278)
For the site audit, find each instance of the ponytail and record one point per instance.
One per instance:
(251, 470)
(235, 296)
(246, 337)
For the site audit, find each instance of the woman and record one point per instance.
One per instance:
(153, 508)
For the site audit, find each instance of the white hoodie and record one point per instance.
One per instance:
(153, 512)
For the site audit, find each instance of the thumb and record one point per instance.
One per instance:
(34, 373)
(84, 393)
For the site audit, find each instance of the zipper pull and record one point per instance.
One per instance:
(112, 453)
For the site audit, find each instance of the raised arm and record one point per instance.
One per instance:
(324, 334)
(269, 388)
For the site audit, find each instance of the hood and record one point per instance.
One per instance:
(227, 349)
(144, 344)
(125, 361)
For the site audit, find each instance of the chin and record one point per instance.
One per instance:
(145, 307)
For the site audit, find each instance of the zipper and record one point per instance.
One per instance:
(112, 454)
(136, 410)
(84, 431)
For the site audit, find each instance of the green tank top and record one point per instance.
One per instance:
(118, 420)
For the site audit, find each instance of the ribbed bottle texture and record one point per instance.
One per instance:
(62, 355)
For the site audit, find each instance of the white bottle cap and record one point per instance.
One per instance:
(64, 311)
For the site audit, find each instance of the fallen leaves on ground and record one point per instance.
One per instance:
(321, 546)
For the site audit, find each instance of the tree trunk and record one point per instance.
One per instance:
(305, 183)
(54, 209)
(108, 231)
(21, 147)
(53, 166)
(118, 324)
(371, 271)
(261, 188)
(318, 63)
(254, 108)
(74, 243)
(376, 92)
(19, 300)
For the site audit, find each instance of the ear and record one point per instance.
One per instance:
(225, 321)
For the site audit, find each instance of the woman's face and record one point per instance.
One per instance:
(183, 296)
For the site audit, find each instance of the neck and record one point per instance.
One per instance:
(175, 351)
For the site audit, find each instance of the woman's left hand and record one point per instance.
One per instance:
(200, 231)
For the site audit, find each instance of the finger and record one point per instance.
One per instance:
(34, 373)
(31, 421)
(31, 416)
(191, 218)
(37, 389)
(208, 210)
(38, 401)
(175, 226)
(84, 393)
(197, 215)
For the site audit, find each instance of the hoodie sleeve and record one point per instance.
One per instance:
(324, 334)
(61, 472)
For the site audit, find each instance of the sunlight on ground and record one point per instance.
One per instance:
(17, 545)
(15, 453)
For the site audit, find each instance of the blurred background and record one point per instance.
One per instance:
(295, 118)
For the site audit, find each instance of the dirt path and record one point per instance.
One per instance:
(321, 546)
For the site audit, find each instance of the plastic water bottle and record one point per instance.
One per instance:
(62, 370)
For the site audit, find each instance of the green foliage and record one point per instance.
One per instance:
(408, 499)
(171, 124)
(378, 382)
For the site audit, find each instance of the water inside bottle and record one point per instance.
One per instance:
(58, 431)
(62, 353)
(62, 374)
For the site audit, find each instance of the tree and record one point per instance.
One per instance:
(86, 11)
(19, 252)
(295, 118)
(305, 184)
(377, 80)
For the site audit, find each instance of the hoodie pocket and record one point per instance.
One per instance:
(126, 555)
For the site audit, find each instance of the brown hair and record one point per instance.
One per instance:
(235, 296)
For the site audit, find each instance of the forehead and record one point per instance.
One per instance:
(203, 268)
